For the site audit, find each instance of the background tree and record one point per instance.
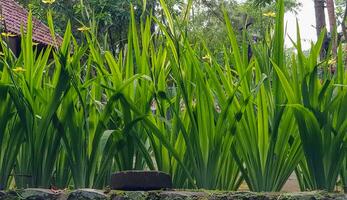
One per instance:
(332, 24)
(341, 14)
(109, 18)
(320, 15)
(207, 19)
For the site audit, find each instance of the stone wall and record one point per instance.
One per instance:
(86, 194)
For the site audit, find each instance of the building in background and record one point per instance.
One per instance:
(13, 16)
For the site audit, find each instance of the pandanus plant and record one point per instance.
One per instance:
(319, 107)
(197, 120)
(37, 96)
(99, 129)
(344, 175)
(185, 131)
(10, 126)
(73, 114)
(267, 146)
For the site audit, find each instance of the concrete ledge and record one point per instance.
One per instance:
(88, 194)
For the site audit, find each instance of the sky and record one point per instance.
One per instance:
(307, 22)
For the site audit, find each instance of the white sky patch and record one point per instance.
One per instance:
(307, 23)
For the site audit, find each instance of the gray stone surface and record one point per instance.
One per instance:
(166, 195)
(122, 195)
(39, 194)
(2, 193)
(88, 194)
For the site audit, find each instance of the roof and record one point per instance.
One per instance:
(14, 15)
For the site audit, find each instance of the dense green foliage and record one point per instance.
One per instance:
(71, 115)
(110, 18)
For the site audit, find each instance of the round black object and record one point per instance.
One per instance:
(140, 180)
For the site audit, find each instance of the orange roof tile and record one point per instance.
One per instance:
(14, 15)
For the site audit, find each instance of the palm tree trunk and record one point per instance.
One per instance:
(344, 31)
(332, 23)
(344, 21)
(320, 20)
(320, 15)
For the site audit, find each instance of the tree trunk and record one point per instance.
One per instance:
(320, 15)
(320, 20)
(332, 23)
(151, 7)
(344, 31)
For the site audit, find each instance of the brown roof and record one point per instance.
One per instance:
(13, 16)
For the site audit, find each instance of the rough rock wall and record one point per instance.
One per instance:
(88, 194)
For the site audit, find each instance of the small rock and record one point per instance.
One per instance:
(181, 195)
(125, 195)
(39, 194)
(137, 195)
(87, 194)
(118, 195)
(239, 195)
(2, 193)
